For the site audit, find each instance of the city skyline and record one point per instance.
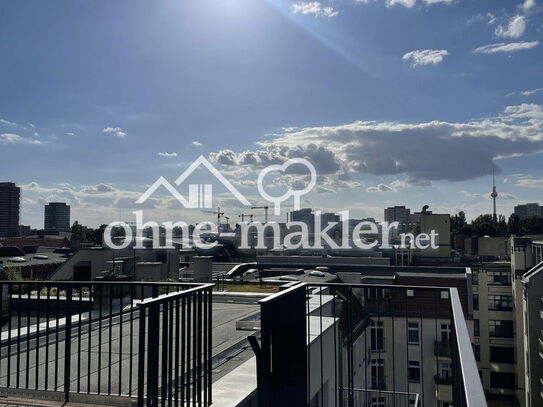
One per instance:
(413, 112)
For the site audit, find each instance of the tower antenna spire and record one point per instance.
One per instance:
(494, 194)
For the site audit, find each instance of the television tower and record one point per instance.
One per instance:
(494, 194)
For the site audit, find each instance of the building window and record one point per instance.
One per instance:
(476, 302)
(377, 402)
(445, 330)
(502, 380)
(499, 278)
(445, 372)
(414, 371)
(376, 336)
(476, 327)
(410, 293)
(477, 352)
(444, 294)
(377, 293)
(413, 333)
(475, 278)
(500, 329)
(502, 354)
(377, 368)
(500, 302)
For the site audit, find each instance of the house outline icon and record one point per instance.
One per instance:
(200, 195)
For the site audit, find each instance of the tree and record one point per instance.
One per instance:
(458, 222)
(484, 225)
(513, 225)
(77, 231)
(501, 226)
(532, 224)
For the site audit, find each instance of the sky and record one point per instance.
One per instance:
(395, 102)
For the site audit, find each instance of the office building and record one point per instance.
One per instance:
(10, 199)
(57, 217)
(399, 214)
(529, 209)
(303, 215)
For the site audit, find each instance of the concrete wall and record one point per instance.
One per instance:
(497, 247)
(100, 259)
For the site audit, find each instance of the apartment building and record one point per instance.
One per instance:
(494, 333)
(410, 332)
(527, 272)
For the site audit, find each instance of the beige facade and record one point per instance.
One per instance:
(493, 338)
(527, 271)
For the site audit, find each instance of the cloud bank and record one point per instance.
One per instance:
(423, 152)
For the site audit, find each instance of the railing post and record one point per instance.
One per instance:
(68, 343)
(153, 354)
(141, 357)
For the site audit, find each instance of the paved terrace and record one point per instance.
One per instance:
(110, 363)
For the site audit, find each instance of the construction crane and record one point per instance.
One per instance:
(265, 212)
(218, 213)
(246, 215)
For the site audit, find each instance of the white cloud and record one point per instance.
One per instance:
(313, 7)
(530, 183)
(438, 1)
(98, 189)
(11, 138)
(505, 47)
(7, 122)
(405, 3)
(70, 134)
(167, 155)
(425, 56)
(196, 143)
(380, 188)
(531, 92)
(396, 185)
(488, 17)
(412, 3)
(528, 5)
(115, 131)
(491, 18)
(514, 28)
(453, 151)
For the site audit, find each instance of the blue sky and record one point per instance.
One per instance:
(395, 101)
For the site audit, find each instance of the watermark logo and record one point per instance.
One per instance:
(296, 193)
(312, 233)
(200, 195)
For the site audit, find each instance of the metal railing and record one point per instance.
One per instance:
(317, 342)
(75, 340)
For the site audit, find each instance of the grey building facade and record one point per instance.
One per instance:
(529, 209)
(57, 217)
(399, 214)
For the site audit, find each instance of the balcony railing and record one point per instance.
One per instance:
(150, 342)
(316, 344)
